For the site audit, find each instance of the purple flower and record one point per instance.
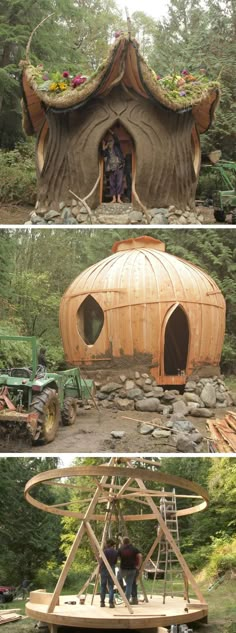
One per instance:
(45, 77)
(78, 80)
(66, 74)
(182, 93)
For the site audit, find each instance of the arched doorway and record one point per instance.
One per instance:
(90, 320)
(176, 343)
(127, 149)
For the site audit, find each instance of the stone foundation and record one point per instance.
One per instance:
(76, 213)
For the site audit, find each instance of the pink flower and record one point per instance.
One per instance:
(66, 74)
(45, 77)
(118, 34)
(185, 72)
(78, 80)
(158, 76)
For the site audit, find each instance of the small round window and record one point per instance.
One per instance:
(90, 320)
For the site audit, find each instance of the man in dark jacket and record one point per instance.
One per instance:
(106, 580)
(130, 563)
(114, 165)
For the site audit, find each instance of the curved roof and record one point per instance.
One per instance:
(144, 272)
(124, 65)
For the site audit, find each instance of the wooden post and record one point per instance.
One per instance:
(75, 545)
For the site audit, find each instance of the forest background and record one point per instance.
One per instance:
(34, 544)
(37, 267)
(193, 35)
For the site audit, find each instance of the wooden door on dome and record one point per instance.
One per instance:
(176, 343)
(127, 148)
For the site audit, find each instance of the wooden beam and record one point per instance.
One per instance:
(75, 545)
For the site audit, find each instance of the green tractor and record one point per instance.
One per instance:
(33, 400)
(224, 197)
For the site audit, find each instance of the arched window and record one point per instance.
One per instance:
(176, 343)
(90, 320)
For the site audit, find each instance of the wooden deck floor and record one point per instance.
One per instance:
(145, 615)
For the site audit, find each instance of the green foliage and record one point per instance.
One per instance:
(222, 556)
(17, 174)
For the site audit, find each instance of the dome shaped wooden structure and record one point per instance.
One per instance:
(108, 488)
(144, 307)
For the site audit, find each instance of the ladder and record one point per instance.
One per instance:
(174, 580)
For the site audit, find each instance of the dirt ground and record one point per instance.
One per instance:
(15, 214)
(92, 434)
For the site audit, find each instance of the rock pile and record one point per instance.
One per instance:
(142, 394)
(124, 213)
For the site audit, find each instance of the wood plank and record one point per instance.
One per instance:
(227, 433)
(222, 446)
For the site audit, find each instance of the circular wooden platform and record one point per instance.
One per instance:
(145, 615)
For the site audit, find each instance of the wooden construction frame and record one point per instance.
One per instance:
(55, 609)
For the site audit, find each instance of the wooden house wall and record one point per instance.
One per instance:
(136, 290)
(165, 161)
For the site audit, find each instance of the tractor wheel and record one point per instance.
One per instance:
(46, 404)
(69, 411)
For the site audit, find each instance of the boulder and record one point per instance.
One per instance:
(129, 384)
(117, 434)
(183, 426)
(124, 404)
(190, 385)
(180, 407)
(161, 433)
(192, 397)
(145, 429)
(149, 404)
(201, 412)
(134, 393)
(196, 437)
(184, 444)
(110, 386)
(208, 395)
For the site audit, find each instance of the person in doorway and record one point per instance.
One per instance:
(114, 165)
(111, 554)
(130, 562)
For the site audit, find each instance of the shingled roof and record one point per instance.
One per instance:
(124, 65)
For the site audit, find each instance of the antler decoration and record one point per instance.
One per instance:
(31, 36)
(128, 22)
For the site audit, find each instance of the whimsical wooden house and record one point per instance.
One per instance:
(144, 307)
(158, 122)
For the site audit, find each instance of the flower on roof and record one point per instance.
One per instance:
(78, 80)
(62, 85)
(53, 86)
(181, 82)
